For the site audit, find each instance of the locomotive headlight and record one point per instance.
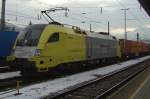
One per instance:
(37, 52)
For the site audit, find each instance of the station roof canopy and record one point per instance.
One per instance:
(146, 5)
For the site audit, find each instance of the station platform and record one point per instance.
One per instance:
(137, 88)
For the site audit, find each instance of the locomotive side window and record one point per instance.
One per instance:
(54, 37)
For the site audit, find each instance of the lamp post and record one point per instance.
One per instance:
(90, 28)
(108, 28)
(3, 15)
(125, 25)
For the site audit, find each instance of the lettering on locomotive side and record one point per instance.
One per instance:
(75, 50)
(105, 45)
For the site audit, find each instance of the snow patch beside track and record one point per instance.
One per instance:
(9, 75)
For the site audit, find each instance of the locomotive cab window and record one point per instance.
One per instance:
(30, 35)
(54, 37)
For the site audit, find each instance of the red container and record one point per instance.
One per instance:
(133, 48)
(129, 48)
(144, 48)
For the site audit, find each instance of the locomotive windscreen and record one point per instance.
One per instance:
(31, 35)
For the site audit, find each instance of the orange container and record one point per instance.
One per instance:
(133, 48)
(129, 47)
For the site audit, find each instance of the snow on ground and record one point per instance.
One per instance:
(42, 89)
(9, 75)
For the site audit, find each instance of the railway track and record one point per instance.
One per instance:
(66, 92)
(4, 69)
(101, 87)
(10, 83)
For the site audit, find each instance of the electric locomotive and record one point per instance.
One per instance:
(43, 47)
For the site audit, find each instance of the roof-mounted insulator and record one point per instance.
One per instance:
(78, 30)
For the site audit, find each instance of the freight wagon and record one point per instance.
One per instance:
(131, 48)
(7, 41)
(144, 48)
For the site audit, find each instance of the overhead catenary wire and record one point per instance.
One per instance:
(26, 16)
(87, 18)
(140, 23)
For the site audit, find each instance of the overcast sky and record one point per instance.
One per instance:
(21, 12)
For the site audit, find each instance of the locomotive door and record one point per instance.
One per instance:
(52, 49)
